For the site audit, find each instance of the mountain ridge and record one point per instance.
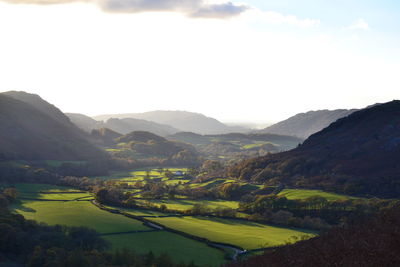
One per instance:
(305, 124)
(29, 133)
(184, 121)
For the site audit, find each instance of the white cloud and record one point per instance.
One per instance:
(191, 8)
(276, 18)
(220, 10)
(359, 24)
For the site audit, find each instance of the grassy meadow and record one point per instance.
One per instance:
(298, 194)
(84, 213)
(249, 235)
(181, 249)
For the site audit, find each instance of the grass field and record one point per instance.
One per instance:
(140, 174)
(180, 248)
(77, 213)
(84, 213)
(69, 196)
(304, 193)
(37, 191)
(248, 235)
(184, 204)
(259, 144)
(138, 212)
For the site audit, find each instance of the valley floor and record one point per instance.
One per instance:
(59, 205)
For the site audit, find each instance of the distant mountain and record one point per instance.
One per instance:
(32, 129)
(181, 120)
(128, 125)
(305, 124)
(123, 126)
(358, 154)
(84, 122)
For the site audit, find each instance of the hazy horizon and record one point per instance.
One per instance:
(249, 61)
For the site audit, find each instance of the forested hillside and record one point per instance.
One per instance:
(355, 155)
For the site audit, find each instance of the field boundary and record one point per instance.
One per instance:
(217, 245)
(55, 200)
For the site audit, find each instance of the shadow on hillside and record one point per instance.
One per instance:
(21, 206)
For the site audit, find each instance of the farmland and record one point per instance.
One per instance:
(84, 213)
(184, 204)
(298, 194)
(245, 234)
(62, 205)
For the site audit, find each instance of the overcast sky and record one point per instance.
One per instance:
(255, 60)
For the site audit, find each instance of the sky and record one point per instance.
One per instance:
(253, 60)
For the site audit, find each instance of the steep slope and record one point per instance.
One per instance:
(358, 154)
(182, 120)
(41, 105)
(30, 133)
(305, 124)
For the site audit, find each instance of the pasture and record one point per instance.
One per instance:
(185, 204)
(245, 234)
(77, 213)
(181, 249)
(299, 194)
(84, 213)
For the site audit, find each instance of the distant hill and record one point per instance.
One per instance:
(181, 120)
(305, 124)
(123, 126)
(145, 145)
(84, 122)
(237, 145)
(32, 129)
(286, 142)
(104, 136)
(358, 154)
(140, 136)
(128, 125)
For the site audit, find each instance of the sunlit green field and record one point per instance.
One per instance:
(184, 204)
(84, 213)
(138, 212)
(258, 144)
(77, 213)
(141, 174)
(303, 194)
(52, 192)
(180, 248)
(248, 235)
